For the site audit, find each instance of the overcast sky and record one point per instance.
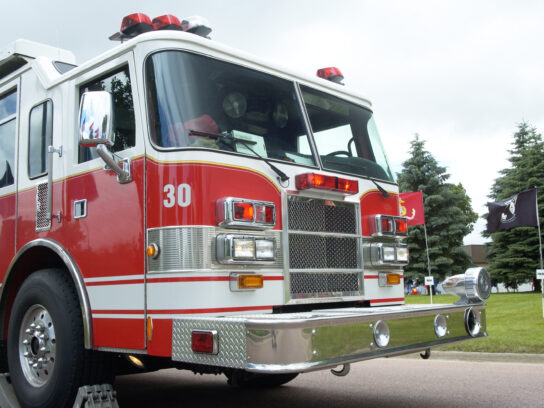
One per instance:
(461, 74)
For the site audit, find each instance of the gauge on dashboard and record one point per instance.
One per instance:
(235, 105)
(280, 115)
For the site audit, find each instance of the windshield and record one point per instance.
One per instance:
(192, 98)
(345, 135)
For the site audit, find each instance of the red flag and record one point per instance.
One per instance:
(411, 207)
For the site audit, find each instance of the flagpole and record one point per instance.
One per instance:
(539, 248)
(429, 262)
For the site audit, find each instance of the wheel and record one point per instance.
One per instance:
(46, 354)
(239, 378)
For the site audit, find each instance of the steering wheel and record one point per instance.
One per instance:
(340, 153)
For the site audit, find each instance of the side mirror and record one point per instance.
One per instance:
(96, 130)
(96, 119)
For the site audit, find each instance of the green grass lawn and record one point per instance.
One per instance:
(514, 323)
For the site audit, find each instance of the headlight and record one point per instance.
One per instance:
(383, 253)
(232, 248)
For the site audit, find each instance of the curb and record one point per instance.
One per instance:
(519, 358)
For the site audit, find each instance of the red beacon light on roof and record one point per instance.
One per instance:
(166, 22)
(139, 23)
(132, 26)
(332, 74)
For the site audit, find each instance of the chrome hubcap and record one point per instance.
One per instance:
(37, 345)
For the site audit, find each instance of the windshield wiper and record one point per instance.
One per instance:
(385, 194)
(246, 143)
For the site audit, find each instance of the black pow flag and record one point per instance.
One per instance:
(516, 211)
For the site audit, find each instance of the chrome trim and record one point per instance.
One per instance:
(225, 249)
(473, 323)
(377, 254)
(43, 211)
(74, 273)
(224, 214)
(215, 341)
(233, 281)
(192, 248)
(301, 342)
(83, 213)
(377, 230)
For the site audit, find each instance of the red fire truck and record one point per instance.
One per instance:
(174, 202)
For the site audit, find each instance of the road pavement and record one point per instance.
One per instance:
(384, 383)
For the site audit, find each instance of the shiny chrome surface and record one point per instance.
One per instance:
(96, 119)
(298, 342)
(472, 287)
(377, 254)
(225, 253)
(381, 334)
(324, 249)
(441, 325)
(191, 248)
(473, 321)
(377, 227)
(224, 214)
(74, 272)
(43, 212)
(37, 346)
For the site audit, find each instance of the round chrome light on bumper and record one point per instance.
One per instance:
(440, 326)
(473, 323)
(381, 334)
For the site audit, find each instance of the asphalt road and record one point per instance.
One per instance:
(380, 383)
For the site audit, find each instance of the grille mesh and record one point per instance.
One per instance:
(312, 251)
(321, 216)
(43, 222)
(304, 284)
(312, 256)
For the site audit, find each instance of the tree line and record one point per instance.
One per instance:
(512, 254)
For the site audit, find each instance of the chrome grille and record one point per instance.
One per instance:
(304, 284)
(43, 222)
(321, 216)
(324, 248)
(313, 251)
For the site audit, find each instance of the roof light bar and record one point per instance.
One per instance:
(166, 22)
(138, 23)
(332, 74)
(196, 25)
(308, 181)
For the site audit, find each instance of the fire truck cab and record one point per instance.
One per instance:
(174, 202)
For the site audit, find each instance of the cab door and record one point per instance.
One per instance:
(105, 215)
(8, 175)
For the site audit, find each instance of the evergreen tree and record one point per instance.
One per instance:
(448, 216)
(514, 253)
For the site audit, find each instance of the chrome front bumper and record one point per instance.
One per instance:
(300, 342)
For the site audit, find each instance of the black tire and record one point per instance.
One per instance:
(48, 300)
(243, 379)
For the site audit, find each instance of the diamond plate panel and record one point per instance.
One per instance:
(232, 341)
(43, 222)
